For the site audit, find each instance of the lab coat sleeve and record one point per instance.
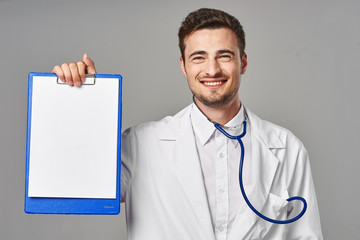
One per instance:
(301, 184)
(128, 160)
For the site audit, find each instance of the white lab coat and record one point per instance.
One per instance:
(164, 192)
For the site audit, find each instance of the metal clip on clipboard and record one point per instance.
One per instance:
(89, 80)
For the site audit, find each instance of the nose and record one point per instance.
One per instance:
(212, 67)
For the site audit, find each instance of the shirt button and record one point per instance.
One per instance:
(222, 155)
(221, 229)
(221, 191)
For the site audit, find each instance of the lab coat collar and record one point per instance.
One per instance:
(264, 131)
(187, 167)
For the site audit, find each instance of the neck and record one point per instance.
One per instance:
(221, 115)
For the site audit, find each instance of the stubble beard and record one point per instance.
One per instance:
(215, 100)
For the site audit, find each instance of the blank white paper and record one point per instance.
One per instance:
(74, 135)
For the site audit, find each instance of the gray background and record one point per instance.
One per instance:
(304, 58)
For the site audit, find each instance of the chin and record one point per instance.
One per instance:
(216, 100)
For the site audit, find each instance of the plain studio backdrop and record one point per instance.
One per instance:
(304, 59)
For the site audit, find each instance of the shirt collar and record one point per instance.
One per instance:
(204, 129)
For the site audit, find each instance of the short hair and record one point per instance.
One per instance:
(207, 18)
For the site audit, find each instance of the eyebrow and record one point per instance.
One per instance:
(225, 51)
(200, 52)
(222, 51)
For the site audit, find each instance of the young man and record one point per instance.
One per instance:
(180, 174)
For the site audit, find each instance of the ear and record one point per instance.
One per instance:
(182, 64)
(243, 63)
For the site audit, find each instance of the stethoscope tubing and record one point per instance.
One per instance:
(238, 138)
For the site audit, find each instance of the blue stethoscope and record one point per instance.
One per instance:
(238, 138)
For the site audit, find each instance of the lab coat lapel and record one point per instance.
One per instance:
(264, 166)
(188, 170)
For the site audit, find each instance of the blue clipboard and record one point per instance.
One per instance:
(90, 182)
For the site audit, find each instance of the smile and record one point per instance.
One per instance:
(213, 83)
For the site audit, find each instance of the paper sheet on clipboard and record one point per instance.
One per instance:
(73, 139)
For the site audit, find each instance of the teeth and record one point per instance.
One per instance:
(212, 83)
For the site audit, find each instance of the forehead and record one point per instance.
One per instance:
(211, 40)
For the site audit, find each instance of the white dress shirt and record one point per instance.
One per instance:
(220, 158)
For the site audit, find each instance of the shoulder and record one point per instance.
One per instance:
(273, 134)
(166, 125)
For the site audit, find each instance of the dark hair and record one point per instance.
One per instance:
(206, 18)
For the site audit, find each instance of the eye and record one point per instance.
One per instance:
(198, 59)
(225, 58)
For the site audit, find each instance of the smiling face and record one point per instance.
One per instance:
(213, 66)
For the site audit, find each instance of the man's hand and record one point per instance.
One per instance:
(74, 73)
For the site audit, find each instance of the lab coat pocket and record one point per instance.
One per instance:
(277, 203)
(276, 207)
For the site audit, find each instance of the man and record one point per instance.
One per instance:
(180, 174)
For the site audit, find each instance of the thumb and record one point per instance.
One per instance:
(90, 65)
